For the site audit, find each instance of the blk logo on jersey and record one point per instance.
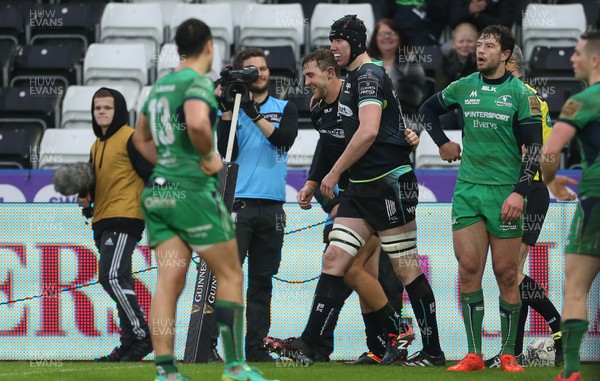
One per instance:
(489, 88)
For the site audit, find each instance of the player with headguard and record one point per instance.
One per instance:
(322, 76)
(382, 193)
(181, 205)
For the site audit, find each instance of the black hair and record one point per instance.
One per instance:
(503, 35)
(191, 37)
(592, 36)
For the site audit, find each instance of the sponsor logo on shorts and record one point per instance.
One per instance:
(508, 226)
(390, 207)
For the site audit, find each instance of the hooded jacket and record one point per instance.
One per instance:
(120, 173)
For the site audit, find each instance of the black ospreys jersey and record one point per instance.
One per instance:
(370, 84)
(328, 123)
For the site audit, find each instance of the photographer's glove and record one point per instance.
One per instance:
(252, 110)
(224, 105)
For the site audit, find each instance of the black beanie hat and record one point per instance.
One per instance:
(351, 29)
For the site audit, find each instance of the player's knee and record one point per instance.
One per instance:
(469, 265)
(346, 239)
(507, 277)
(352, 275)
(399, 246)
(231, 275)
(330, 259)
(171, 283)
(408, 274)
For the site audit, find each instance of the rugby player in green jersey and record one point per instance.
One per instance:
(181, 205)
(501, 114)
(538, 200)
(580, 119)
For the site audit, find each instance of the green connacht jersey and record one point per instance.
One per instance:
(494, 112)
(582, 111)
(178, 160)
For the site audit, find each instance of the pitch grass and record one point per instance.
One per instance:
(89, 371)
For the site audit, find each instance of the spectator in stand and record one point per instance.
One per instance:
(460, 61)
(422, 20)
(389, 45)
(482, 13)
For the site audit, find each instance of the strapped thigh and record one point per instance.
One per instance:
(346, 239)
(400, 245)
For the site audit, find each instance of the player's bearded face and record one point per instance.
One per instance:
(315, 79)
(488, 55)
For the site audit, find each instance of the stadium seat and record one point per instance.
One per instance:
(18, 144)
(7, 49)
(551, 62)
(117, 65)
(219, 17)
(556, 91)
(12, 19)
(36, 103)
(300, 96)
(590, 7)
(60, 146)
(77, 106)
(168, 59)
(427, 155)
(73, 22)
(302, 151)
(308, 6)
(281, 62)
(273, 25)
(325, 14)
(53, 64)
(552, 25)
(133, 23)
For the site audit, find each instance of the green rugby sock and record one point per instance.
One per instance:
(509, 323)
(165, 365)
(473, 311)
(572, 334)
(231, 322)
